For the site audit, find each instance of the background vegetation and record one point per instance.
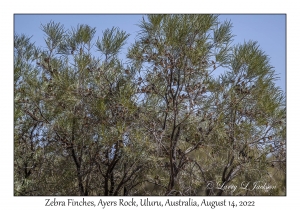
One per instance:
(162, 123)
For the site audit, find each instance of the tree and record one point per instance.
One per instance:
(164, 124)
(204, 126)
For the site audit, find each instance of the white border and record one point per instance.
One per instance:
(7, 199)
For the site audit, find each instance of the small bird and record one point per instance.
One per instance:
(156, 178)
(47, 60)
(179, 151)
(127, 71)
(121, 144)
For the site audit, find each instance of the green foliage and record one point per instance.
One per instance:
(112, 42)
(164, 124)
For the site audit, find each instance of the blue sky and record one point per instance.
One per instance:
(269, 30)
